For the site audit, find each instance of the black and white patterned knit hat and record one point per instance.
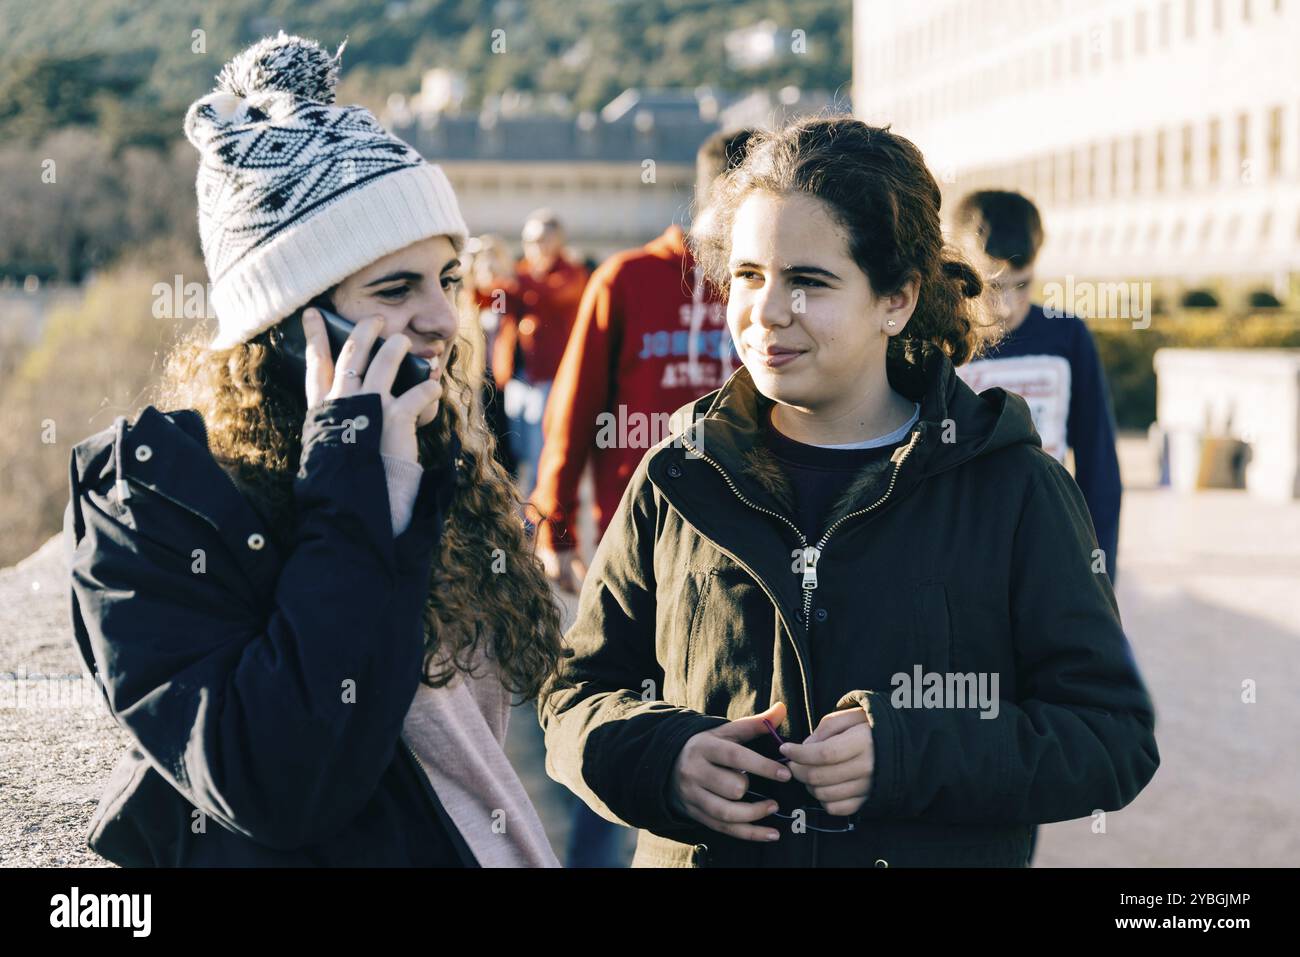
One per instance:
(296, 194)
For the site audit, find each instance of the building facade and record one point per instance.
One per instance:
(616, 178)
(1160, 138)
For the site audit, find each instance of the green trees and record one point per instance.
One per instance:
(616, 44)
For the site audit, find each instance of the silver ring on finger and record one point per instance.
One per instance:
(351, 374)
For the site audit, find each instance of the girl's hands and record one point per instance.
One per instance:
(397, 437)
(836, 761)
(709, 778)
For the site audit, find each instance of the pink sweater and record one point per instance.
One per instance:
(458, 733)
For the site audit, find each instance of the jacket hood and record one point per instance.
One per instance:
(955, 426)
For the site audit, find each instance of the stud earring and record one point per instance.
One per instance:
(892, 322)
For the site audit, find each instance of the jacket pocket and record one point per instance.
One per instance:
(693, 637)
(678, 617)
(728, 660)
(931, 627)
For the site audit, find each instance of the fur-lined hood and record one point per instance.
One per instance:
(954, 426)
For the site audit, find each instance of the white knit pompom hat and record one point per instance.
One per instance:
(296, 194)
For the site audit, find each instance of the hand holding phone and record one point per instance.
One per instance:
(293, 343)
(709, 780)
(366, 363)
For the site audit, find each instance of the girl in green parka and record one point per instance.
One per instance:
(853, 614)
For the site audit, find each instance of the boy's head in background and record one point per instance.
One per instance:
(1001, 232)
(722, 151)
(719, 153)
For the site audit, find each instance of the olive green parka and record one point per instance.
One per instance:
(969, 555)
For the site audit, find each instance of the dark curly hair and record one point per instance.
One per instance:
(254, 404)
(876, 186)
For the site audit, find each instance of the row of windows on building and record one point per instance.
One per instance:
(1210, 232)
(921, 49)
(626, 179)
(1185, 232)
(1189, 157)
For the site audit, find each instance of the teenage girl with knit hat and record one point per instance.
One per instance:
(309, 600)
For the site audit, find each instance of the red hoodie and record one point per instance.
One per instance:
(629, 357)
(540, 311)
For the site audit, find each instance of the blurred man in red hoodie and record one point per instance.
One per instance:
(541, 306)
(647, 340)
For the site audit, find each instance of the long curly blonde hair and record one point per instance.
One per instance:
(488, 594)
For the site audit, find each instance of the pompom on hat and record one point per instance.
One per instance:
(296, 194)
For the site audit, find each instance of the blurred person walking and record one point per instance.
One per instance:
(1049, 359)
(488, 286)
(650, 336)
(533, 333)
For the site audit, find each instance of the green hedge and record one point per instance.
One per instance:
(1126, 353)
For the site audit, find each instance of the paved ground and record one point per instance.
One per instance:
(1208, 594)
(1207, 590)
(53, 759)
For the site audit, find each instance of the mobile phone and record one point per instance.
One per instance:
(293, 345)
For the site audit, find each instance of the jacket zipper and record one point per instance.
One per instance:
(812, 556)
(812, 553)
(803, 541)
(423, 773)
(415, 757)
(430, 795)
